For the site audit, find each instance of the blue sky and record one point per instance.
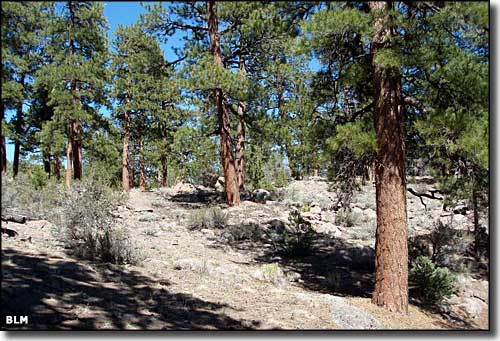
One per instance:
(125, 13)
(118, 13)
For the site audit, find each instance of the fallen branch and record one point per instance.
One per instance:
(14, 219)
(430, 195)
(9, 232)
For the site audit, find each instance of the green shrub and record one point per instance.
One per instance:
(209, 218)
(431, 283)
(38, 177)
(297, 238)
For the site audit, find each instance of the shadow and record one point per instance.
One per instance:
(204, 198)
(334, 266)
(60, 294)
(198, 199)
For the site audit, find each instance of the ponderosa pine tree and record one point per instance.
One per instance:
(22, 33)
(77, 49)
(139, 87)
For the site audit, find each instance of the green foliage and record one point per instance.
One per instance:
(297, 238)
(432, 284)
(38, 177)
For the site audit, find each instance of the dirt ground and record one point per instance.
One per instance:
(187, 280)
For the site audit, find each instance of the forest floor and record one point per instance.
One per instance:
(195, 279)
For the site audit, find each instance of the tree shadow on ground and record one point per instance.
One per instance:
(204, 198)
(199, 199)
(334, 266)
(58, 293)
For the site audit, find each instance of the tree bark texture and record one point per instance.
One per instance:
(391, 248)
(57, 166)
(125, 159)
(69, 155)
(17, 143)
(227, 157)
(77, 150)
(3, 146)
(142, 166)
(240, 132)
(46, 163)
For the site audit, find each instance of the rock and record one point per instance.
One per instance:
(220, 184)
(357, 211)
(293, 276)
(472, 307)
(261, 195)
(345, 315)
(315, 210)
(184, 187)
(460, 208)
(208, 232)
(328, 228)
(370, 214)
(310, 216)
(189, 264)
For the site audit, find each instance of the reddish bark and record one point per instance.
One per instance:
(227, 157)
(125, 159)
(142, 166)
(57, 166)
(69, 155)
(391, 249)
(240, 132)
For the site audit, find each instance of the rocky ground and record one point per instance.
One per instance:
(217, 278)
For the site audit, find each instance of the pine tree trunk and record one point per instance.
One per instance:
(57, 166)
(391, 249)
(125, 159)
(69, 155)
(3, 147)
(17, 144)
(142, 166)
(240, 132)
(132, 157)
(77, 150)
(164, 173)
(15, 162)
(46, 163)
(227, 157)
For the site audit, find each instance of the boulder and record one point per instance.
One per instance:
(370, 214)
(220, 184)
(328, 228)
(184, 187)
(261, 195)
(460, 208)
(311, 216)
(357, 211)
(472, 306)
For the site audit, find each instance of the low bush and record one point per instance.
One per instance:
(236, 233)
(345, 217)
(89, 225)
(431, 283)
(210, 218)
(297, 238)
(32, 197)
